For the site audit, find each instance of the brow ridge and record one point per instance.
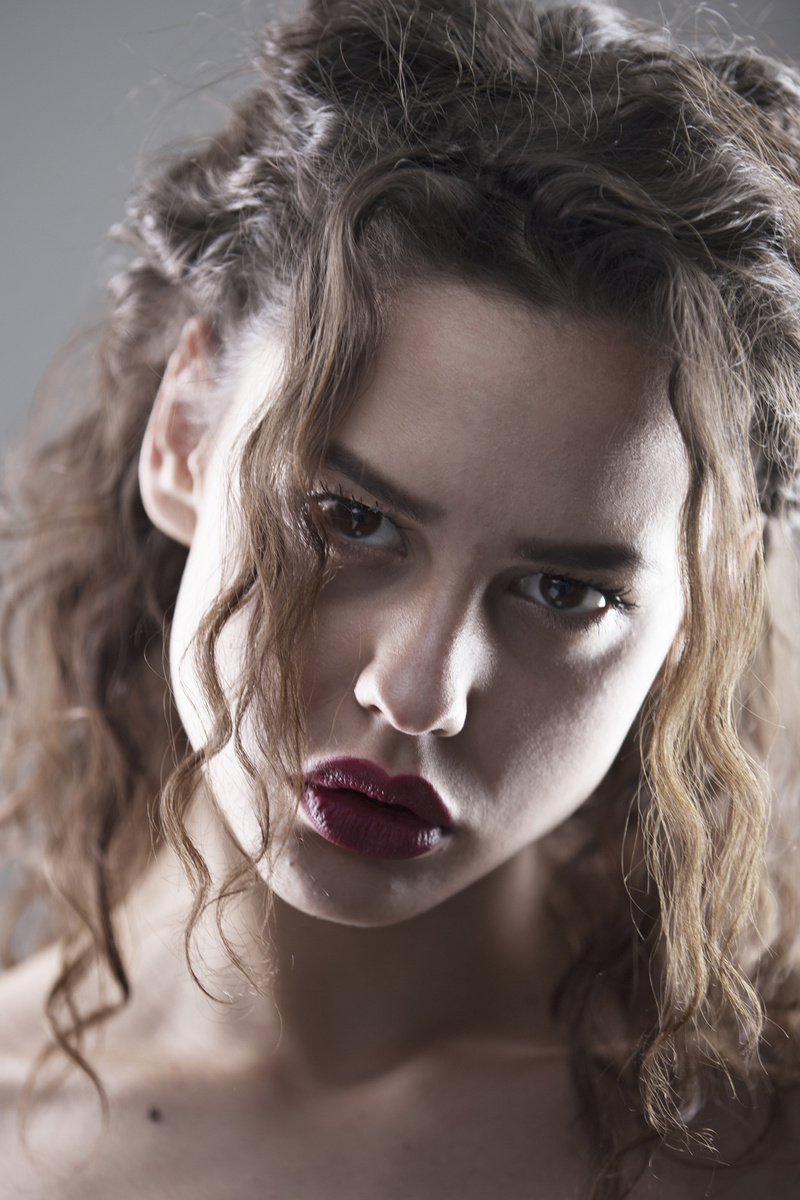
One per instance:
(566, 556)
(583, 556)
(361, 473)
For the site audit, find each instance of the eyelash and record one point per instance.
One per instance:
(350, 499)
(564, 619)
(614, 597)
(355, 548)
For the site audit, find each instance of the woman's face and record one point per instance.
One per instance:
(503, 504)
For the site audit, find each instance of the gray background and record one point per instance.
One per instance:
(89, 89)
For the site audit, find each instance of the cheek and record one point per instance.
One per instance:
(211, 563)
(331, 664)
(547, 739)
(538, 739)
(186, 689)
(540, 734)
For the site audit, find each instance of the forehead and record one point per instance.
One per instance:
(473, 388)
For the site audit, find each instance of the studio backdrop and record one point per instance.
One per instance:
(89, 90)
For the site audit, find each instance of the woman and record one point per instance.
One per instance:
(406, 627)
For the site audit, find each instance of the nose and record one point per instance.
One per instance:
(424, 661)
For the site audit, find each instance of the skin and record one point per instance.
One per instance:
(432, 654)
(404, 1047)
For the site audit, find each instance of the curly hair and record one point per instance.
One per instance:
(584, 162)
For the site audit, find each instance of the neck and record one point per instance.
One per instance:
(480, 965)
(346, 1002)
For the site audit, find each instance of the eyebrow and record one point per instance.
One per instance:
(349, 464)
(584, 556)
(567, 556)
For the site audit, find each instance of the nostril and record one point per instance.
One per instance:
(423, 664)
(412, 702)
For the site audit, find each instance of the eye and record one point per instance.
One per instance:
(565, 595)
(350, 520)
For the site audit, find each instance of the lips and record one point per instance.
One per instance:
(358, 806)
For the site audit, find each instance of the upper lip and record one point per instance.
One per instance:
(360, 775)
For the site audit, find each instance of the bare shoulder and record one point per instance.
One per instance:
(23, 994)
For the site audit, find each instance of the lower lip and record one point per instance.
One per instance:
(355, 822)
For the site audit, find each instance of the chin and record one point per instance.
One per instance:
(337, 885)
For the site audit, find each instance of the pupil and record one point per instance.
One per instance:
(561, 593)
(356, 521)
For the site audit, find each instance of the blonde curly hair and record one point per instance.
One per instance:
(584, 162)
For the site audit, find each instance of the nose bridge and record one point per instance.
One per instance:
(425, 655)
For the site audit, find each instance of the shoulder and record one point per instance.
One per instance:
(23, 995)
(55, 1129)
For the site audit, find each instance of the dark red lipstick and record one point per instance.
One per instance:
(357, 805)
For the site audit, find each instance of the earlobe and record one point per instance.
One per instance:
(170, 463)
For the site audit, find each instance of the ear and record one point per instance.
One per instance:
(171, 460)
